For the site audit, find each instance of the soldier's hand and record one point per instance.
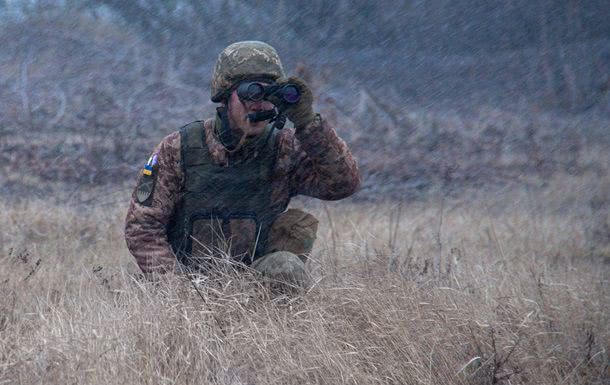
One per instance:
(300, 113)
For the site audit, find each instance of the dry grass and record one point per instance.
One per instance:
(485, 291)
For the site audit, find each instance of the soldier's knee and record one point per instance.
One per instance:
(283, 267)
(294, 231)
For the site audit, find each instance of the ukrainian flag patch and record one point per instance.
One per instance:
(147, 182)
(148, 170)
(150, 165)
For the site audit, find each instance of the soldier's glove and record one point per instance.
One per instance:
(300, 113)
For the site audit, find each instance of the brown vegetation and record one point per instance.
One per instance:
(489, 290)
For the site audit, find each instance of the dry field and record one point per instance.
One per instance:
(498, 289)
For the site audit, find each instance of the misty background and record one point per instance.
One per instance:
(429, 95)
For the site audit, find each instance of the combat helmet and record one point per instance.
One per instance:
(244, 60)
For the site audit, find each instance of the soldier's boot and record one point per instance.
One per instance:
(283, 271)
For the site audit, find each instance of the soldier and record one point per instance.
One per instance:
(222, 186)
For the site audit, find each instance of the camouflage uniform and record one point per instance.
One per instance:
(310, 160)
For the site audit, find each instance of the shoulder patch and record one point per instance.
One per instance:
(145, 189)
(146, 185)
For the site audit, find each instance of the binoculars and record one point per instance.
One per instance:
(255, 91)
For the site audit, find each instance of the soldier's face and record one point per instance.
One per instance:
(238, 114)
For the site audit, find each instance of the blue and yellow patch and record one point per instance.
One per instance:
(148, 170)
(147, 182)
(150, 165)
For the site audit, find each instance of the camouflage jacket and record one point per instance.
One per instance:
(313, 161)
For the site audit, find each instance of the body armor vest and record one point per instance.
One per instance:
(223, 209)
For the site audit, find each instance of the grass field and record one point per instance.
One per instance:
(484, 289)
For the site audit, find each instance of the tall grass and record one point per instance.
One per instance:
(485, 290)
